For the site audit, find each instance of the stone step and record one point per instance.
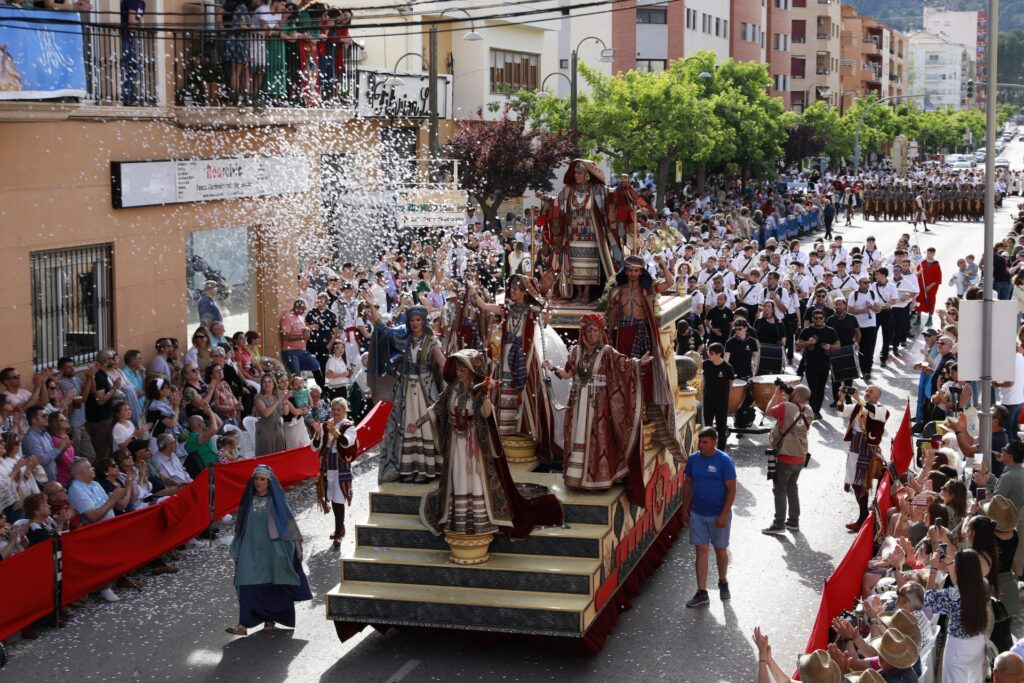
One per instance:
(537, 573)
(385, 530)
(510, 611)
(580, 507)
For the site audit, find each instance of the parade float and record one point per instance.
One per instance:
(570, 581)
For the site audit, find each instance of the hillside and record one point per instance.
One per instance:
(906, 15)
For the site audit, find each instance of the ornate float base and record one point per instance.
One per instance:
(570, 581)
(469, 549)
(520, 452)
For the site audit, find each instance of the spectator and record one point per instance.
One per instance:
(246, 363)
(1008, 668)
(135, 379)
(816, 667)
(8, 491)
(199, 353)
(88, 498)
(710, 485)
(224, 403)
(124, 430)
(71, 386)
(102, 386)
(793, 417)
(58, 426)
(39, 443)
(163, 402)
(132, 12)
(109, 480)
(164, 363)
(294, 334)
(966, 605)
(200, 443)
(172, 472)
(209, 311)
(269, 409)
(21, 399)
(43, 523)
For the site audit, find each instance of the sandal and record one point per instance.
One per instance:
(268, 626)
(237, 630)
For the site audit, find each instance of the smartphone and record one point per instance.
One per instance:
(980, 493)
(942, 550)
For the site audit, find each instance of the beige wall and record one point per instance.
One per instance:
(55, 193)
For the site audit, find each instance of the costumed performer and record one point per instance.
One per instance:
(603, 416)
(864, 462)
(929, 277)
(633, 327)
(624, 202)
(412, 356)
(523, 403)
(475, 493)
(339, 449)
(267, 550)
(585, 251)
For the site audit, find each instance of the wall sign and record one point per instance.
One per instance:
(155, 183)
(401, 96)
(422, 207)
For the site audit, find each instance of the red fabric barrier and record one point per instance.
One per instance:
(371, 430)
(97, 554)
(27, 579)
(903, 444)
(290, 467)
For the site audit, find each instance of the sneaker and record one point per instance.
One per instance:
(723, 591)
(109, 595)
(774, 530)
(854, 526)
(793, 526)
(699, 598)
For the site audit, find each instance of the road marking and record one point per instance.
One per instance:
(406, 669)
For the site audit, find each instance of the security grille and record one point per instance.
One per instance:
(72, 296)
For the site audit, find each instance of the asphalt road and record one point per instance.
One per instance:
(174, 628)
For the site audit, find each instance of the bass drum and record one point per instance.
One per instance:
(845, 364)
(771, 359)
(737, 393)
(763, 387)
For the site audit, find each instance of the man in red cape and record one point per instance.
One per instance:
(928, 279)
(603, 443)
(624, 202)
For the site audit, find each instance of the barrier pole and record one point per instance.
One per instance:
(58, 577)
(209, 529)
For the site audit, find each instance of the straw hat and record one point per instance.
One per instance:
(904, 622)
(897, 649)
(866, 676)
(818, 667)
(1002, 511)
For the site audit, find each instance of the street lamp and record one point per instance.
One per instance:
(606, 56)
(471, 35)
(543, 94)
(706, 73)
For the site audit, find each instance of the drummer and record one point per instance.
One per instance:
(741, 352)
(848, 330)
(815, 343)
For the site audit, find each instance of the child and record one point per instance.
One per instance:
(227, 449)
(299, 392)
(971, 272)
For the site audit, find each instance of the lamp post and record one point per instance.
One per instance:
(706, 73)
(860, 121)
(606, 56)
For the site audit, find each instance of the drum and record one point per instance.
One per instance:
(771, 359)
(845, 362)
(737, 393)
(763, 387)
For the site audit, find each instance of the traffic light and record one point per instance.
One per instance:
(970, 89)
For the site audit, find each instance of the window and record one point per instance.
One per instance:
(227, 251)
(798, 67)
(72, 297)
(514, 69)
(718, 26)
(705, 23)
(725, 28)
(563, 63)
(691, 19)
(799, 30)
(651, 15)
(782, 4)
(651, 64)
(744, 27)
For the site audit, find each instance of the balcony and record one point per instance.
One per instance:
(824, 36)
(191, 76)
(823, 71)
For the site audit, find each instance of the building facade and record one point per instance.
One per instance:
(748, 22)
(966, 28)
(816, 25)
(873, 58)
(939, 68)
(778, 46)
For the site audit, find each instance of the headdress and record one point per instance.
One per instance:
(593, 320)
(421, 311)
(471, 359)
(281, 523)
(528, 285)
(590, 167)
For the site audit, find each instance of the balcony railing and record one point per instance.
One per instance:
(823, 71)
(216, 69)
(120, 68)
(798, 40)
(823, 36)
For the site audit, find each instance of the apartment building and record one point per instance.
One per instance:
(816, 25)
(780, 38)
(748, 24)
(873, 58)
(966, 28)
(940, 68)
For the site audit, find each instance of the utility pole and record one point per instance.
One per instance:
(985, 415)
(432, 138)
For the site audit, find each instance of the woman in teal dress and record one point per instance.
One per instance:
(267, 551)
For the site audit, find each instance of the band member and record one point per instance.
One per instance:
(816, 343)
(633, 327)
(717, 377)
(864, 463)
(906, 292)
(750, 294)
(603, 414)
(886, 295)
(864, 306)
(848, 332)
(741, 352)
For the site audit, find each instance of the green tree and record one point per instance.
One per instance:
(825, 124)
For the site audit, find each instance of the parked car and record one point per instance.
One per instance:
(979, 154)
(1002, 162)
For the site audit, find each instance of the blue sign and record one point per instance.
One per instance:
(40, 54)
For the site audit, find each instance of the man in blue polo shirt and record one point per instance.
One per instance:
(711, 488)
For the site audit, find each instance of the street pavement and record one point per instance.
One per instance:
(174, 628)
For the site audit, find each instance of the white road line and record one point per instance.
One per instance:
(406, 669)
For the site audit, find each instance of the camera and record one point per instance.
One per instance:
(781, 384)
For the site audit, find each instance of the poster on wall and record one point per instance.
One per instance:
(182, 181)
(40, 54)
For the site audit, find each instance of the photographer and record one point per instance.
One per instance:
(793, 417)
(865, 426)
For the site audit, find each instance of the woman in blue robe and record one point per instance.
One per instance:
(267, 550)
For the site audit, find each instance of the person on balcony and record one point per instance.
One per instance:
(132, 12)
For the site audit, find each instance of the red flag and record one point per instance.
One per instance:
(903, 444)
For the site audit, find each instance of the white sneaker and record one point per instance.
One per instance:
(109, 595)
(227, 519)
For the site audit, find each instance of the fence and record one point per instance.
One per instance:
(121, 66)
(67, 567)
